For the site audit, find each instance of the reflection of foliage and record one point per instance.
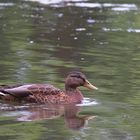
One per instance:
(24, 131)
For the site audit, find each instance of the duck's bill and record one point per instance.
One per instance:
(89, 85)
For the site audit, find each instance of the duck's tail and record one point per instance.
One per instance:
(2, 90)
(2, 94)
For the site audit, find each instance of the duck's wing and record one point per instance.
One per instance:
(17, 91)
(27, 90)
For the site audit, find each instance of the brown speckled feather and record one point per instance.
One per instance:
(46, 94)
(37, 93)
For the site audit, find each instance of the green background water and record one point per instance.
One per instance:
(42, 42)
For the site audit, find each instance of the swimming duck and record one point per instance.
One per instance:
(46, 93)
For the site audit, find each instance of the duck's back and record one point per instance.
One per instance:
(31, 92)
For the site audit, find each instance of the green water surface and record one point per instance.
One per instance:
(41, 41)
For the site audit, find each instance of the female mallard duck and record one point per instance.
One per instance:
(46, 93)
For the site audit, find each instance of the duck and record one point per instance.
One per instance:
(47, 93)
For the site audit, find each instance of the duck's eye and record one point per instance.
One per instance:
(78, 76)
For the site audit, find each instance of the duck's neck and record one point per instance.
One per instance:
(71, 89)
(75, 94)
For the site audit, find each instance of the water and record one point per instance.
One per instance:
(41, 41)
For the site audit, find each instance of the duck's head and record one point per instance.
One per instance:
(76, 79)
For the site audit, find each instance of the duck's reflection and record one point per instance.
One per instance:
(70, 113)
(72, 118)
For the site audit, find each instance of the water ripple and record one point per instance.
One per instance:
(88, 102)
(114, 7)
(84, 3)
(119, 29)
(6, 4)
